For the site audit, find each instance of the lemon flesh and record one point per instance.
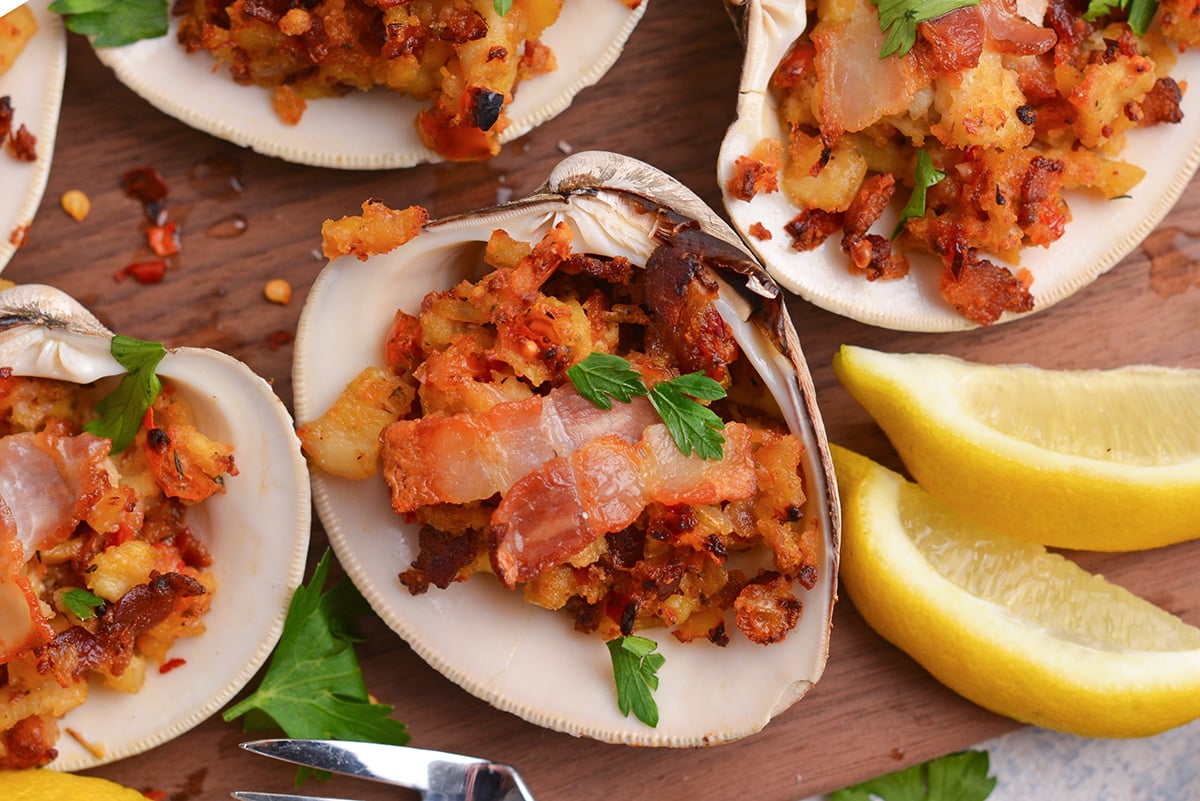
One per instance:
(1023, 632)
(1103, 460)
(40, 784)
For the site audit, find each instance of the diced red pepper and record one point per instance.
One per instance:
(145, 272)
(163, 239)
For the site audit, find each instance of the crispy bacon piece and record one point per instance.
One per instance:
(440, 558)
(856, 86)
(980, 290)
(77, 650)
(50, 482)
(1161, 103)
(811, 227)
(569, 502)
(29, 744)
(951, 42)
(870, 254)
(681, 288)
(471, 456)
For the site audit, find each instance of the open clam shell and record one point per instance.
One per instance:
(362, 130)
(516, 656)
(1100, 233)
(257, 531)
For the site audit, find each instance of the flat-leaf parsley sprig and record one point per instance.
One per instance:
(114, 23)
(635, 669)
(898, 20)
(955, 777)
(924, 176)
(694, 427)
(313, 686)
(120, 412)
(502, 6)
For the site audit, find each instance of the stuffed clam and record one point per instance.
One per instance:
(144, 581)
(511, 522)
(995, 161)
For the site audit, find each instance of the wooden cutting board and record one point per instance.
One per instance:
(667, 101)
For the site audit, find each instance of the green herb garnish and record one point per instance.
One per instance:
(114, 23)
(502, 6)
(121, 411)
(692, 425)
(898, 19)
(635, 668)
(956, 777)
(314, 686)
(1139, 13)
(925, 176)
(81, 603)
(602, 376)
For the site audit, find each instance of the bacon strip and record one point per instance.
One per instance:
(565, 505)
(472, 456)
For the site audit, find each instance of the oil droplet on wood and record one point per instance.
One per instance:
(217, 177)
(230, 226)
(1172, 268)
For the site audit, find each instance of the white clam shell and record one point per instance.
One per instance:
(34, 83)
(257, 531)
(518, 657)
(1100, 234)
(363, 130)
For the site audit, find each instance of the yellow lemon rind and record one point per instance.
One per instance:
(995, 479)
(43, 784)
(982, 652)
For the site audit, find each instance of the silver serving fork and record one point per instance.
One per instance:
(437, 775)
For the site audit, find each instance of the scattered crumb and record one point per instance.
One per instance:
(278, 290)
(76, 204)
(759, 231)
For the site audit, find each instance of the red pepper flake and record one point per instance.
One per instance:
(171, 664)
(156, 795)
(145, 272)
(19, 236)
(163, 239)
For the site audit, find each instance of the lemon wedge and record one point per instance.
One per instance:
(1103, 460)
(47, 785)
(1006, 624)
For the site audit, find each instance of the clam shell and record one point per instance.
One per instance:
(34, 82)
(257, 531)
(1100, 234)
(518, 657)
(363, 130)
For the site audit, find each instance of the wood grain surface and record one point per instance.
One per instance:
(667, 101)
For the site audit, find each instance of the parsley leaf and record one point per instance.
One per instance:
(601, 375)
(693, 426)
(925, 175)
(313, 686)
(81, 603)
(1139, 13)
(635, 669)
(898, 19)
(114, 23)
(121, 411)
(955, 777)
(502, 6)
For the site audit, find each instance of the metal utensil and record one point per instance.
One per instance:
(437, 775)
